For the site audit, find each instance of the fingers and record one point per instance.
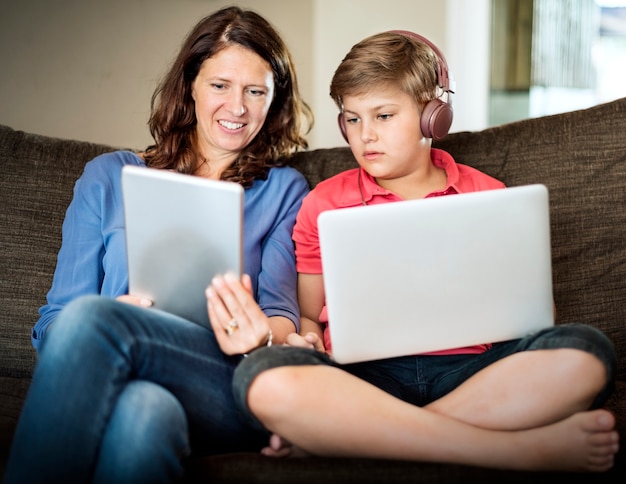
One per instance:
(232, 301)
(135, 300)
(238, 322)
(316, 341)
(294, 339)
(246, 282)
(309, 340)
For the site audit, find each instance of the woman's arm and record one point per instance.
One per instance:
(278, 200)
(92, 257)
(265, 298)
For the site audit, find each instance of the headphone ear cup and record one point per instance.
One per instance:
(436, 119)
(342, 125)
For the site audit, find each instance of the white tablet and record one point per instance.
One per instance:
(181, 230)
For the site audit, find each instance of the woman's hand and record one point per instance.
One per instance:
(238, 322)
(135, 300)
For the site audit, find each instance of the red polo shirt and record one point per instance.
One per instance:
(342, 191)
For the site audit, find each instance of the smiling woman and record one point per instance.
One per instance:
(144, 389)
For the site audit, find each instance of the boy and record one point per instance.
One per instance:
(499, 405)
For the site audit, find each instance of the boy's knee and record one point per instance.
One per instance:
(274, 391)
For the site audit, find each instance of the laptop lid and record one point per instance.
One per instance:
(181, 230)
(438, 273)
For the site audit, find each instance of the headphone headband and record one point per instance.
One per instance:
(444, 80)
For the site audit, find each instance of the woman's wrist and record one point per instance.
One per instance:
(268, 342)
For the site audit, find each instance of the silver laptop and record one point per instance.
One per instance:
(439, 273)
(181, 230)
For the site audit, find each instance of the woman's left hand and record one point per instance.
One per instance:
(135, 300)
(238, 322)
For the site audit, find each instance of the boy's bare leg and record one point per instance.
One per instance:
(526, 390)
(350, 417)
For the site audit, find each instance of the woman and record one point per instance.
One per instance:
(121, 392)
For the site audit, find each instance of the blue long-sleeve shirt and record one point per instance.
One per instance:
(92, 258)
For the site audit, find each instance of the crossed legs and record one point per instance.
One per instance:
(121, 391)
(526, 390)
(528, 410)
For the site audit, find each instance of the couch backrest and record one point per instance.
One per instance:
(36, 182)
(580, 156)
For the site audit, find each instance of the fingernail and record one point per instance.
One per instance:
(230, 277)
(217, 281)
(145, 302)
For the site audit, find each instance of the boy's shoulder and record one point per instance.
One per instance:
(476, 179)
(336, 191)
(342, 178)
(463, 178)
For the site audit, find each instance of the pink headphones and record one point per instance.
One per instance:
(437, 115)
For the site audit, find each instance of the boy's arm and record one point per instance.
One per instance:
(311, 300)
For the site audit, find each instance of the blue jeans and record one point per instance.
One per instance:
(121, 394)
(422, 379)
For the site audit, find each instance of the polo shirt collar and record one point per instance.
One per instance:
(370, 189)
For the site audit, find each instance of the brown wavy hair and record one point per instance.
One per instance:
(173, 122)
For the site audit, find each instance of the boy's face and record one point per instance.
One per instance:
(383, 129)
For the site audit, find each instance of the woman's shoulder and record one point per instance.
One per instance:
(108, 166)
(286, 178)
(113, 161)
(286, 173)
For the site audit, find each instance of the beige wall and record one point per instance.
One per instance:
(86, 70)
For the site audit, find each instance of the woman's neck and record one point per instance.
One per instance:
(212, 168)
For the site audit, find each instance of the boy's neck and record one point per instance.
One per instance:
(426, 179)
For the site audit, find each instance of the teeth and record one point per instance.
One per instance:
(229, 125)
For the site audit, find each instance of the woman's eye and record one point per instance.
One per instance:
(218, 87)
(257, 92)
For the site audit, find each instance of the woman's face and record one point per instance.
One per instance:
(233, 92)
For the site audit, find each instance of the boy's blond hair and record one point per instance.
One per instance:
(387, 60)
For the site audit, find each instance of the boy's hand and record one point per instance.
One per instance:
(309, 340)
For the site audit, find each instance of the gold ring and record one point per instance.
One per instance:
(232, 327)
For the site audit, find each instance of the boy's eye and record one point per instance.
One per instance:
(352, 120)
(385, 116)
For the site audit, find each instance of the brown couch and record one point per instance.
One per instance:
(580, 156)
